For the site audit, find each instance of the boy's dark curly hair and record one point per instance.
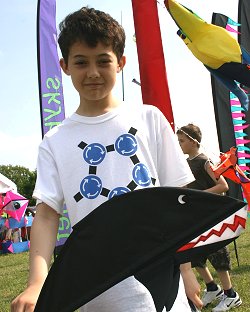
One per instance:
(91, 26)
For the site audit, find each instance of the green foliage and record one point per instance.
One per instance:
(23, 178)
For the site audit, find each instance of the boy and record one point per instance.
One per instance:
(189, 138)
(95, 154)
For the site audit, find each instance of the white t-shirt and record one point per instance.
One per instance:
(88, 160)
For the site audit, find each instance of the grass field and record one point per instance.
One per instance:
(14, 271)
(240, 275)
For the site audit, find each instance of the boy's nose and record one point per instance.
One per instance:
(93, 72)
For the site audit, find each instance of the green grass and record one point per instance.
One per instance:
(240, 275)
(14, 272)
(13, 277)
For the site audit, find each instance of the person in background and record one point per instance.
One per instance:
(97, 142)
(189, 138)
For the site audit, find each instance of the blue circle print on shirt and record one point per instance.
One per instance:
(91, 186)
(118, 191)
(126, 144)
(94, 154)
(141, 175)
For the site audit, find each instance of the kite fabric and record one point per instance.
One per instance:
(223, 114)
(215, 47)
(244, 24)
(244, 41)
(229, 168)
(49, 72)
(231, 120)
(13, 204)
(50, 83)
(139, 234)
(153, 75)
(221, 99)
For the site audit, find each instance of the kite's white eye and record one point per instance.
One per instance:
(180, 199)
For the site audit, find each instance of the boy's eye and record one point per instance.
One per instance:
(81, 62)
(104, 62)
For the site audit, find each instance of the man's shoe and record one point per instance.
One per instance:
(210, 296)
(228, 303)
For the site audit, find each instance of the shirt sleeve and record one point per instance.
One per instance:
(172, 166)
(48, 186)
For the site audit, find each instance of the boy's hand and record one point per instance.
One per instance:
(192, 287)
(41, 249)
(26, 301)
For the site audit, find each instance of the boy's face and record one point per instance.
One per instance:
(186, 144)
(93, 70)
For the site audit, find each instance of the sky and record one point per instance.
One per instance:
(189, 81)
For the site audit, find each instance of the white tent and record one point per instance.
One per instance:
(6, 184)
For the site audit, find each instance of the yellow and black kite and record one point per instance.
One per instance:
(215, 47)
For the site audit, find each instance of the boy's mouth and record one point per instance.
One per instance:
(93, 85)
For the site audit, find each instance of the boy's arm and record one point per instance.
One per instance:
(221, 185)
(192, 287)
(43, 238)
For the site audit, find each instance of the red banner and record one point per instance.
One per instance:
(153, 74)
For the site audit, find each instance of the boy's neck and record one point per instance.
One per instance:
(194, 154)
(97, 108)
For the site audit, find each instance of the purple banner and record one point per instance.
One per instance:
(50, 84)
(49, 71)
(64, 229)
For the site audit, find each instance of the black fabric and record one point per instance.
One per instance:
(244, 41)
(221, 99)
(203, 180)
(161, 277)
(236, 71)
(137, 233)
(244, 20)
(223, 116)
(194, 254)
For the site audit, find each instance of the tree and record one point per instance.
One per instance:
(23, 178)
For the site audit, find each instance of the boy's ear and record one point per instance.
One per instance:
(121, 63)
(64, 66)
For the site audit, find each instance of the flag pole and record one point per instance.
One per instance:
(123, 91)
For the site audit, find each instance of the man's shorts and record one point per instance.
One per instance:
(220, 260)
